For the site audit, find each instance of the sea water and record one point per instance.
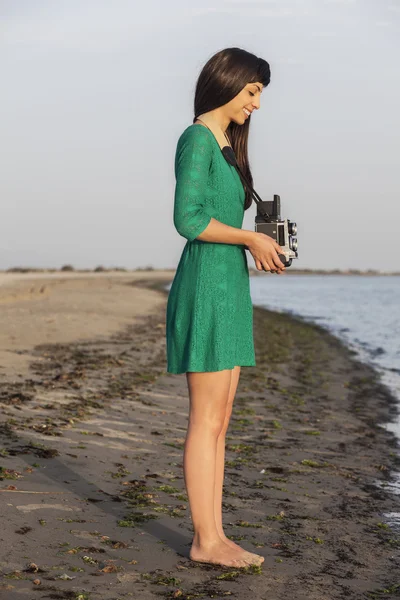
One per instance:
(363, 311)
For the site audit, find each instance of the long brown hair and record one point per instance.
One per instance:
(223, 76)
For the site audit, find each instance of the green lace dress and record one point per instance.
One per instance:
(209, 317)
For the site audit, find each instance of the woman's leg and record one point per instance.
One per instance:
(220, 463)
(208, 394)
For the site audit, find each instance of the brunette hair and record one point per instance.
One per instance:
(223, 76)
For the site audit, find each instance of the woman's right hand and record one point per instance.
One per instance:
(265, 250)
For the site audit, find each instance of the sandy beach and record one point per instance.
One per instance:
(92, 428)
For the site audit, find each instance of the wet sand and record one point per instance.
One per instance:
(92, 428)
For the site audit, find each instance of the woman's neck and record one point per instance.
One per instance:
(214, 125)
(216, 117)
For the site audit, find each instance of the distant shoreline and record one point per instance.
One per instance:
(252, 271)
(369, 272)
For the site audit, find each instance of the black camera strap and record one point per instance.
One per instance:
(230, 158)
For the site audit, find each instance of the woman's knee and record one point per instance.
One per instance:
(205, 425)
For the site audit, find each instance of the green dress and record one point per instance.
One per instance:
(209, 316)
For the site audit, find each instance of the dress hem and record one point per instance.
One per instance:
(180, 372)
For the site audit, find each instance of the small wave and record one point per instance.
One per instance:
(377, 352)
(392, 369)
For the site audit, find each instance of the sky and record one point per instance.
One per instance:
(95, 95)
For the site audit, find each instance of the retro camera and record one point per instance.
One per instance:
(268, 219)
(283, 231)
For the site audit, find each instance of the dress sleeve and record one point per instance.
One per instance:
(192, 164)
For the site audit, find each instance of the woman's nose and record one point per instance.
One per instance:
(256, 102)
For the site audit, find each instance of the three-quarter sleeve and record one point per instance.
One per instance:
(192, 164)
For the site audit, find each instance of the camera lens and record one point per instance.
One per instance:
(293, 244)
(292, 228)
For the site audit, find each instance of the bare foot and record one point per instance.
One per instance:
(221, 554)
(255, 558)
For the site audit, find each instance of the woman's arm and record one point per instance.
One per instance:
(225, 234)
(263, 248)
(192, 164)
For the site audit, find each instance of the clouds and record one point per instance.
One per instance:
(257, 8)
(67, 31)
(340, 1)
(103, 26)
(85, 26)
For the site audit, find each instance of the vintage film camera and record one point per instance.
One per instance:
(268, 219)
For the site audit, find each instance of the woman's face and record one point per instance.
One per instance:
(243, 104)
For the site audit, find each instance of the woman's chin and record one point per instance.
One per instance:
(240, 120)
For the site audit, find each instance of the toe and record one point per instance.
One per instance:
(259, 558)
(256, 558)
(241, 563)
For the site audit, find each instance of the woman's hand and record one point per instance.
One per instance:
(265, 250)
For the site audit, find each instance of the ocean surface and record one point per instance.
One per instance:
(363, 311)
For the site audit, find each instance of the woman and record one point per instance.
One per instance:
(209, 326)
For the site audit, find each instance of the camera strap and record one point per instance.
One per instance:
(230, 158)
